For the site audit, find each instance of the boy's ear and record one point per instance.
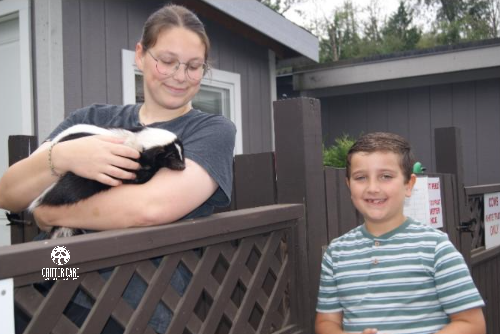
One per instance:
(347, 182)
(410, 184)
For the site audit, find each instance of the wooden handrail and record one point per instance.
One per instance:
(30, 258)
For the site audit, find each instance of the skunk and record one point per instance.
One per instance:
(158, 148)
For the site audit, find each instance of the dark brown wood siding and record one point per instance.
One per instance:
(472, 106)
(95, 32)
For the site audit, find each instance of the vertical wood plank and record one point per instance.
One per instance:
(72, 55)
(356, 115)
(464, 117)
(441, 113)
(93, 46)
(254, 180)
(449, 159)
(20, 147)
(376, 112)
(116, 37)
(301, 180)
(332, 203)
(397, 112)
(488, 124)
(336, 109)
(419, 120)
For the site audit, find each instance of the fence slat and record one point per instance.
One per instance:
(47, 315)
(108, 299)
(254, 180)
(21, 147)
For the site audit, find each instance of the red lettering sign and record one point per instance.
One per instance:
(434, 185)
(493, 201)
(435, 211)
(494, 229)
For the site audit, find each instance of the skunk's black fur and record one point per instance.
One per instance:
(158, 148)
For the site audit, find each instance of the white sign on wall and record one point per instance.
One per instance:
(424, 205)
(491, 220)
(435, 208)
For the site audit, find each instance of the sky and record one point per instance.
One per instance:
(320, 8)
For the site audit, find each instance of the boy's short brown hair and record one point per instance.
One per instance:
(384, 142)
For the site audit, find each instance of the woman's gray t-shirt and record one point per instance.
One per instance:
(208, 140)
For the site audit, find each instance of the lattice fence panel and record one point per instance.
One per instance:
(239, 286)
(477, 217)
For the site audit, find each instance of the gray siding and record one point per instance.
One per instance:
(95, 32)
(472, 106)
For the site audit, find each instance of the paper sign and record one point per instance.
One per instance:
(435, 208)
(424, 205)
(491, 220)
(417, 206)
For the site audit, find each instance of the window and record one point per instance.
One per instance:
(220, 93)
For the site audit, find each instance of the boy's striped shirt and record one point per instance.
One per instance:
(406, 281)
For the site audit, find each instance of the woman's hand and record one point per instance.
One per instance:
(101, 158)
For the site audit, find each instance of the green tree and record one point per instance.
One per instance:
(339, 36)
(399, 33)
(464, 20)
(280, 6)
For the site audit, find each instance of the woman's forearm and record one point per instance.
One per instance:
(26, 180)
(167, 197)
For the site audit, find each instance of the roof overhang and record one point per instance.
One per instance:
(261, 24)
(482, 61)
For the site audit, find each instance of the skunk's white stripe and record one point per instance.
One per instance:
(36, 202)
(85, 128)
(178, 147)
(151, 137)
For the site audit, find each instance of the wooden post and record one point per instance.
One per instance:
(449, 159)
(300, 179)
(21, 147)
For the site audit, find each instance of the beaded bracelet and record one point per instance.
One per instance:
(51, 165)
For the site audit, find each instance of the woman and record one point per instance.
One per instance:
(172, 55)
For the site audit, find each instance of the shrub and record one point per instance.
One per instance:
(336, 155)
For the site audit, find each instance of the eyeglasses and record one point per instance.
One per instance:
(194, 70)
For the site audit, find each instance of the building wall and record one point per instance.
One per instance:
(95, 32)
(414, 113)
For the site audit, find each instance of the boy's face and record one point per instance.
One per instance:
(378, 187)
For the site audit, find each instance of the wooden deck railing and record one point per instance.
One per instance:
(242, 275)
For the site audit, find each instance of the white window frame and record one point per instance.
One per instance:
(215, 78)
(232, 82)
(21, 10)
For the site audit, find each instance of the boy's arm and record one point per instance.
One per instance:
(466, 322)
(331, 323)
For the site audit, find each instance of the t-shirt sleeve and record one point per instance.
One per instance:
(76, 117)
(455, 288)
(211, 145)
(328, 300)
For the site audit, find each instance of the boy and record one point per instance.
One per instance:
(392, 274)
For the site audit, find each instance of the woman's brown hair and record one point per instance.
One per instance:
(173, 16)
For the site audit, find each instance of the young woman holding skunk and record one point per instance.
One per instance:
(172, 56)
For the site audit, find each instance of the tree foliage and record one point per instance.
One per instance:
(280, 6)
(463, 20)
(344, 35)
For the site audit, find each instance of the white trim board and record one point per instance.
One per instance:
(21, 9)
